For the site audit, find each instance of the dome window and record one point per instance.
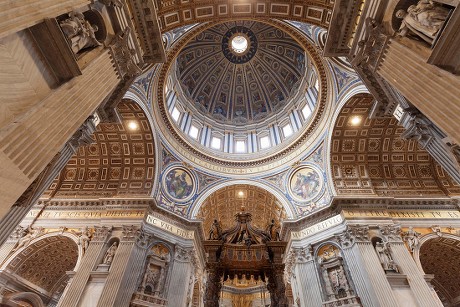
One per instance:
(239, 43)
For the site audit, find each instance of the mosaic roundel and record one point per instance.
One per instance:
(243, 37)
(178, 184)
(305, 183)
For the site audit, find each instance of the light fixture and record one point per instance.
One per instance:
(132, 125)
(355, 120)
(240, 193)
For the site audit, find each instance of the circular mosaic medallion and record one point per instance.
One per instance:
(305, 183)
(239, 44)
(178, 184)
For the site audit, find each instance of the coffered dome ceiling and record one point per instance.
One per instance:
(240, 72)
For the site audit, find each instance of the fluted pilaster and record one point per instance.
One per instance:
(74, 291)
(422, 292)
(355, 264)
(120, 267)
(310, 292)
(377, 276)
(182, 268)
(134, 269)
(306, 277)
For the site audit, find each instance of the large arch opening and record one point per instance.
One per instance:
(40, 269)
(441, 257)
(244, 247)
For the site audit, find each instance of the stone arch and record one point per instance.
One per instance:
(290, 213)
(371, 158)
(121, 161)
(22, 298)
(440, 255)
(42, 264)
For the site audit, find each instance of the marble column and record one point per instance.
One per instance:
(421, 290)
(355, 263)
(135, 269)
(305, 277)
(7, 247)
(72, 294)
(25, 151)
(427, 90)
(23, 205)
(125, 268)
(180, 276)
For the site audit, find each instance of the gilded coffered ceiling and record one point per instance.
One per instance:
(45, 262)
(226, 202)
(438, 256)
(371, 158)
(173, 14)
(246, 87)
(119, 162)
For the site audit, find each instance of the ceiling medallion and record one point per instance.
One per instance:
(239, 44)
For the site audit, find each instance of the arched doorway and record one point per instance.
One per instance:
(440, 256)
(244, 263)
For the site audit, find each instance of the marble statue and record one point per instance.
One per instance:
(424, 20)
(83, 237)
(79, 32)
(411, 237)
(29, 235)
(110, 254)
(437, 230)
(385, 257)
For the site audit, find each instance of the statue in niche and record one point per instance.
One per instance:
(411, 237)
(215, 232)
(110, 254)
(423, 20)
(27, 236)
(385, 257)
(84, 236)
(79, 32)
(339, 282)
(153, 278)
(328, 286)
(156, 271)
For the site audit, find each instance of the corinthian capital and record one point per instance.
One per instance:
(360, 233)
(391, 232)
(101, 232)
(183, 254)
